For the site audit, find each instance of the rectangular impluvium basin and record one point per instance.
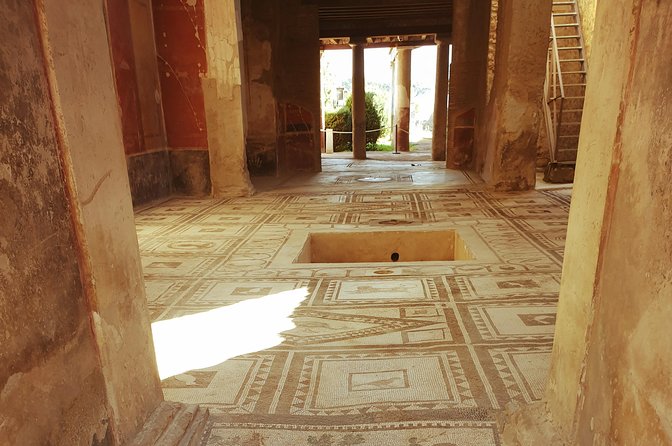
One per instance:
(384, 246)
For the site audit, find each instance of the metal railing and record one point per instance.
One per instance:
(554, 93)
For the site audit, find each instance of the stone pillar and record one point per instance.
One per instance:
(515, 111)
(223, 95)
(440, 100)
(468, 80)
(610, 376)
(358, 101)
(78, 363)
(402, 108)
(460, 101)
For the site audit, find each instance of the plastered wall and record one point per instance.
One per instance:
(179, 29)
(131, 36)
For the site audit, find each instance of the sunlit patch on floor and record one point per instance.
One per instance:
(202, 340)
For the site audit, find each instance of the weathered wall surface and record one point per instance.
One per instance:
(47, 349)
(87, 105)
(587, 11)
(282, 55)
(179, 27)
(150, 176)
(181, 46)
(468, 82)
(510, 129)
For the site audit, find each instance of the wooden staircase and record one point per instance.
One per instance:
(565, 86)
(173, 424)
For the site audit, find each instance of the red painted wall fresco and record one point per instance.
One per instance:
(123, 61)
(179, 26)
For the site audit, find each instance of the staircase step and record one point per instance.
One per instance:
(563, 14)
(570, 48)
(173, 424)
(572, 60)
(174, 433)
(194, 433)
(559, 172)
(156, 424)
(565, 25)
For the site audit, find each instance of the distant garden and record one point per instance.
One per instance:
(341, 121)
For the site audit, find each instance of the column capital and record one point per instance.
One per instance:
(357, 41)
(443, 38)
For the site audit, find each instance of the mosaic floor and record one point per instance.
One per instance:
(373, 354)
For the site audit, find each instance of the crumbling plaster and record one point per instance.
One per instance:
(225, 109)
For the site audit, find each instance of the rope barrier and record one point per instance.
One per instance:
(366, 131)
(349, 133)
(396, 128)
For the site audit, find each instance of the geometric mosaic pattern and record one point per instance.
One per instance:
(400, 354)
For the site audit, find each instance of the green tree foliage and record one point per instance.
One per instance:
(341, 121)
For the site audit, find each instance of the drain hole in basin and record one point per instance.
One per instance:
(394, 257)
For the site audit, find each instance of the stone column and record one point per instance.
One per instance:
(514, 112)
(468, 81)
(440, 100)
(402, 111)
(89, 143)
(223, 94)
(358, 101)
(611, 365)
(457, 155)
